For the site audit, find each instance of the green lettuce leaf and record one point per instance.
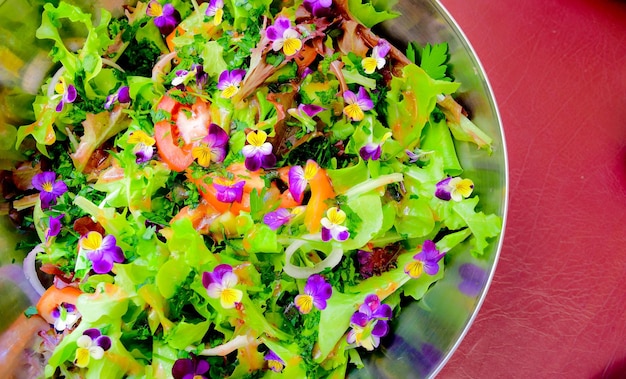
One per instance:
(370, 13)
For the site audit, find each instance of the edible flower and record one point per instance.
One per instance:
(50, 188)
(304, 113)
(318, 8)
(54, 226)
(454, 188)
(166, 17)
(369, 323)
(212, 148)
(92, 344)
(228, 191)
(220, 284)
(427, 260)
(143, 149)
(122, 96)
(417, 154)
(277, 218)
(65, 316)
(258, 152)
(101, 251)
(357, 104)
(183, 76)
(216, 10)
(332, 227)
(229, 81)
(377, 59)
(284, 37)
(299, 178)
(373, 150)
(316, 292)
(274, 362)
(68, 94)
(190, 368)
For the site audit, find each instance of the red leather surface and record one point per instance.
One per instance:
(557, 304)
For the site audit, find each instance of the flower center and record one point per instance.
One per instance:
(230, 91)
(414, 269)
(230, 296)
(47, 187)
(304, 303)
(93, 241)
(354, 112)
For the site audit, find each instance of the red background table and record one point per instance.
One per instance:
(557, 304)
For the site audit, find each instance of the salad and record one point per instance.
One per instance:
(237, 189)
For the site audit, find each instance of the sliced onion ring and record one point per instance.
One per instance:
(297, 272)
(30, 271)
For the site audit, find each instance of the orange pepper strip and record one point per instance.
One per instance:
(321, 190)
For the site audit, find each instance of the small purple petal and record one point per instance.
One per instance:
(182, 367)
(268, 161)
(54, 226)
(56, 313)
(382, 312)
(360, 319)
(442, 189)
(207, 279)
(350, 97)
(101, 264)
(364, 101)
(380, 329)
(254, 162)
(310, 109)
(60, 105)
(104, 342)
(326, 235)
(383, 48)
(237, 75)
(223, 80)
(342, 235)
(93, 333)
(229, 193)
(123, 95)
(370, 151)
(277, 218)
(70, 94)
(297, 182)
(217, 136)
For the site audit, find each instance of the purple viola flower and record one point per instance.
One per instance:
(143, 149)
(299, 178)
(377, 59)
(277, 218)
(304, 113)
(50, 189)
(228, 191)
(473, 278)
(122, 95)
(417, 154)
(373, 150)
(318, 8)
(101, 251)
(274, 362)
(67, 92)
(54, 226)
(258, 151)
(220, 284)
(212, 148)
(427, 260)
(454, 188)
(332, 225)
(284, 37)
(65, 316)
(166, 17)
(357, 104)
(196, 71)
(369, 323)
(216, 10)
(229, 81)
(316, 292)
(190, 368)
(92, 344)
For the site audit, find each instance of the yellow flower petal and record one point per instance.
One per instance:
(82, 357)
(219, 14)
(291, 46)
(139, 136)
(203, 154)
(414, 269)
(229, 92)
(310, 169)
(230, 296)
(336, 215)
(304, 303)
(92, 241)
(256, 138)
(369, 65)
(354, 112)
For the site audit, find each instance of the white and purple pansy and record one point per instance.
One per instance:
(67, 92)
(54, 226)
(373, 150)
(258, 151)
(143, 146)
(220, 284)
(190, 368)
(316, 292)
(369, 323)
(216, 10)
(377, 59)
(332, 225)
(284, 37)
(454, 188)
(65, 317)
(229, 82)
(91, 345)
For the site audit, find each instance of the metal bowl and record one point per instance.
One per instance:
(427, 332)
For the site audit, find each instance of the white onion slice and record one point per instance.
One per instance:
(30, 271)
(159, 67)
(230, 346)
(297, 272)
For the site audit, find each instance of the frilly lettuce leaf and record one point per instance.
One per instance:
(370, 13)
(483, 226)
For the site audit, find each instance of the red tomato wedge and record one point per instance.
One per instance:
(176, 137)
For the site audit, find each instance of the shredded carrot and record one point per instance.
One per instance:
(321, 190)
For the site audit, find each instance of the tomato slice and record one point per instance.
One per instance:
(176, 137)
